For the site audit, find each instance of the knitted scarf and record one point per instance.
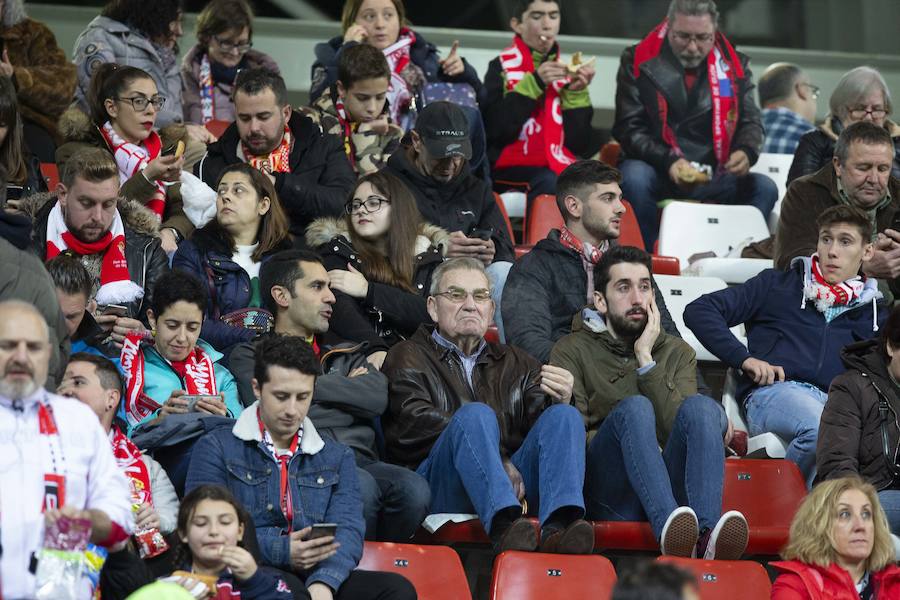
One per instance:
(131, 158)
(400, 91)
(116, 286)
(277, 161)
(724, 69)
(348, 128)
(590, 255)
(826, 295)
(541, 141)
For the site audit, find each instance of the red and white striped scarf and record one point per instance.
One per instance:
(128, 457)
(277, 161)
(131, 158)
(827, 295)
(397, 54)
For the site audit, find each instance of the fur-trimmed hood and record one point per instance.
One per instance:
(323, 230)
(135, 216)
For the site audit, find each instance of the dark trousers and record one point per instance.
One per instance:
(540, 180)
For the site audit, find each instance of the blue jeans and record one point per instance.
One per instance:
(466, 474)
(628, 479)
(792, 411)
(497, 273)
(643, 186)
(890, 502)
(395, 501)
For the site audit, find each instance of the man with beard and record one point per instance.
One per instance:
(687, 118)
(435, 168)
(636, 387)
(309, 169)
(547, 286)
(55, 459)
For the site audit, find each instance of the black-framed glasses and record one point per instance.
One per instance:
(859, 112)
(813, 89)
(372, 204)
(140, 103)
(687, 38)
(229, 47)
(458, 295)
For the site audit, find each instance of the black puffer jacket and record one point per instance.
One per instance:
(851, 434)
(147, 261)
(387, 314)
(320, 177)
(816, 148)
(544, 290)
(638, 127)
(464, 202)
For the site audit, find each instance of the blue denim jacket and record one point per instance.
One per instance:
(323, 484)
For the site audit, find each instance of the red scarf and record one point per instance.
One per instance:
(541, 142)
(838, 294)
(131, 158)
(724, 70)
(397, 55)
(283, 458)
(128, 457)
(277, 161)
(197, 372)
(590, 255)
(55, 468)
(347, 130)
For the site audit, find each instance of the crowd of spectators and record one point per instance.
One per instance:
(313, 330)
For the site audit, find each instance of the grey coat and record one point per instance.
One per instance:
(107, 40)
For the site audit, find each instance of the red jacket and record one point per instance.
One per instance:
(800, 581)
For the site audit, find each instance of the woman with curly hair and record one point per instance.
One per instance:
(140, 34)
(839, 547)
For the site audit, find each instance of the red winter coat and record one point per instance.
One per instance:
(800, 581)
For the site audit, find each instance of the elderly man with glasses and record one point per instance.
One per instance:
(687, 118)
(491, 430)
(789, 102)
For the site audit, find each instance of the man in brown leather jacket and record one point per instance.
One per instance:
(485, 423)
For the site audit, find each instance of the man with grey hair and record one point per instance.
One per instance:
(687, 119)
(55, 459)
(788, 101)
(859, 175)
(486, 424)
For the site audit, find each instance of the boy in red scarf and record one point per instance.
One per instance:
(687, 119)
(537, 111)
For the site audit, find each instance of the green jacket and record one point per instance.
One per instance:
(605, 371)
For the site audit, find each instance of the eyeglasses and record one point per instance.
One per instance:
(372, 204)
(860, 112)
(813, 89)
(230, 47)
(687, 38)
(140, 103)
(458, 295)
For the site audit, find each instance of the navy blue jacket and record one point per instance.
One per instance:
(779, 331)
(208, 258)
(324, 489)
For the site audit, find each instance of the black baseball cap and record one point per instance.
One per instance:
(444, 130)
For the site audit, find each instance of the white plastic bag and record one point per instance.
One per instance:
(199, 199)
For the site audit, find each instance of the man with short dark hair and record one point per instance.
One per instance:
(309, 168)
(797, 323)
(350, 393)
(687, 118)
(291, 479)
(554, 281)
(435, 169)
(73, 291)
(485, 423)
(788, 102)
(636, 388)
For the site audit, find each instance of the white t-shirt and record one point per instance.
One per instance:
(242, 256)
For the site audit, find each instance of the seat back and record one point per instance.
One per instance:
(688, 228)
(51, 175)
(543, 215)
(502, 206)
(775, 167)
(217, 127)
(629, 230)
(537, 576)
(731, 579)
(435, 571)
(680, 291)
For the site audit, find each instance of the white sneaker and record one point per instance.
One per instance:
(729, 537)
(680, 533)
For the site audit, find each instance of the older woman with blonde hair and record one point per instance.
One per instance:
(840, 547)
(861, 95)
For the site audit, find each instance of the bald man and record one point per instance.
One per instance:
(55, 459)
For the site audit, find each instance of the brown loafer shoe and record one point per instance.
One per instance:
(520, 535)
(576, 538)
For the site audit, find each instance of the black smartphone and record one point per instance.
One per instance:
(114, 309)
(475, 232)
(320, 530)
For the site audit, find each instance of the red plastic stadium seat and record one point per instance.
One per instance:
(625, 535)
(768, 492)
(522, 250)
(435, 571)
(499, 199)
(543, 215)
(51, 175)
(217, 127)
(537, 576)
(629, 230)
(492, 335)
(610, 153)
(731, 579)
(666, 265)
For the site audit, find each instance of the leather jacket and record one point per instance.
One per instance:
(638, 126)
(428, 384)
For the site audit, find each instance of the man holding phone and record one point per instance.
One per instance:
(275, 452)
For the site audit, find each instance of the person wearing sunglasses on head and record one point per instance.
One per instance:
(224, 47)
(860, 95)
(788, 102)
